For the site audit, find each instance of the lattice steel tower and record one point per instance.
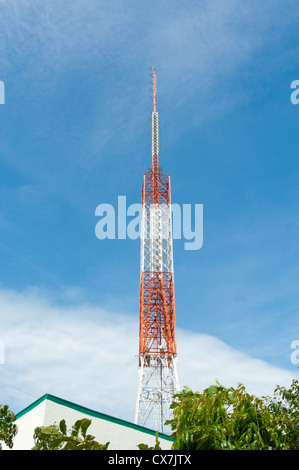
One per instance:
(158, 380)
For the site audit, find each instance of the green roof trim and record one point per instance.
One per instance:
(90, 412)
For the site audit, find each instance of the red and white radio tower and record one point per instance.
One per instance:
(158, 380)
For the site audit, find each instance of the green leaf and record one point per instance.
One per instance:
(85, 425)
(50, 430)
(62, 426)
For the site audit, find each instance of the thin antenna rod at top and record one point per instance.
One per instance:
(154, 91)
(155, 127)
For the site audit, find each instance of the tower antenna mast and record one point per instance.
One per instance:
(154, 92)
(158, 380)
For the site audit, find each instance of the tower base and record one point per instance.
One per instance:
(158, 382)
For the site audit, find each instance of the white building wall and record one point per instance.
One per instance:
(121, 434)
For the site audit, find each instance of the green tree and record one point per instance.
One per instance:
(155, 447)
(231, 419)
(59, 438)
(8, 429)
(285, 405)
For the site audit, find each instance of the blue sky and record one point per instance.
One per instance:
(75, 133)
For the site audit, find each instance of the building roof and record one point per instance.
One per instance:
(90, 412)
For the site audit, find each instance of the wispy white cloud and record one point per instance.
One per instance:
(193, 44)
(205, 358)
(88, 355)
(198, 47)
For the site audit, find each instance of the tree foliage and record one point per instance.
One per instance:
(8, 429)
(285, 405)
(155, 447)
(59, 438)
(232, 419)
